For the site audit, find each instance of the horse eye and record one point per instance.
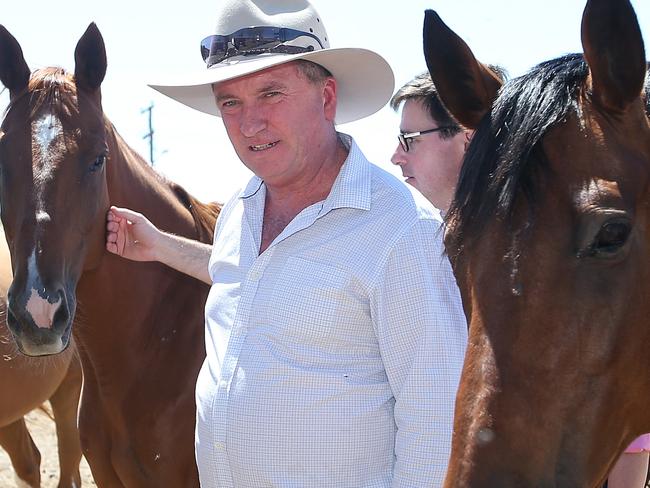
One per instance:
(98, 163)
(610, 238)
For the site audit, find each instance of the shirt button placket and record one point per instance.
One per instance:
(249, 289)
(257, 269)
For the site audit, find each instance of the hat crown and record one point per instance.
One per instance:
(234, 15)
(364, 80)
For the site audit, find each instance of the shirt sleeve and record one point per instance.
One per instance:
(422, 333)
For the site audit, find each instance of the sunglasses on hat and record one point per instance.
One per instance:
(253, 40)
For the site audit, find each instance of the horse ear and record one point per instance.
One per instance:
(90, 60)
(465, 86)
(14, 72)
(614, 51)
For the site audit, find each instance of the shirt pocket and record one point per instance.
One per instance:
(310, 300)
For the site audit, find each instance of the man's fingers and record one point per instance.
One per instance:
(124, 229)
(120, 238)
(117, 214)
(112, 226)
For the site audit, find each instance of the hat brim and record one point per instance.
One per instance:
(365, 81)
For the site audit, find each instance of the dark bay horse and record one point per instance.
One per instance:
(25, 384)
(138, 326)
(549, 236)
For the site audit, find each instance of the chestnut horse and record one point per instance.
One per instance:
(28, 382)
(139, 326)
(549, 236)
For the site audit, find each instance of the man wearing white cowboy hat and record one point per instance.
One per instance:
(334, 329)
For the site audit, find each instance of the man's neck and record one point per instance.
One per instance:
(310, 187)
(283, 203)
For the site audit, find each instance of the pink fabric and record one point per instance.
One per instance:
(640, 444)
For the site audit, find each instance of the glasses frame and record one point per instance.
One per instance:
(268, 38)
(405, 137)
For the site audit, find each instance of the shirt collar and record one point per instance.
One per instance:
(252, 187)
(351, 188)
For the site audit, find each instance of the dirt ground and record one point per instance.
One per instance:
(42, 430)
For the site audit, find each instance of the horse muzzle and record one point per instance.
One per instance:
(39, 320)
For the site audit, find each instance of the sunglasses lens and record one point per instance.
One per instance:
(214, 47)
(252, 37)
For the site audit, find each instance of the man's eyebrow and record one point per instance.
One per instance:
(220, 97)
(270, 86)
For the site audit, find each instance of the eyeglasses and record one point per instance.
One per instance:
(405, 137)
(253, 40)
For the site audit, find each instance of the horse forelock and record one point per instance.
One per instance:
(505, 156)
(48, 89)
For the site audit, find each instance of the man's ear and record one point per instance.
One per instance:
(330, 98)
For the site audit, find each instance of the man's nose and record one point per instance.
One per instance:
(252, 122)
(398, 157)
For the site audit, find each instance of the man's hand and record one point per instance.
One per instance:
(131, 235)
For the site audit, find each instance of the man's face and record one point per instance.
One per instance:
(432, 163)
(275, 119)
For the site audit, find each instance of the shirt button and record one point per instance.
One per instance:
(221, 446)
(254, 274)
(223, 384)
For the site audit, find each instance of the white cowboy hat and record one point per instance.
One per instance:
(365, 80)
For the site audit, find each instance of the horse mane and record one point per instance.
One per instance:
(204, 214)
(55, 86)
(505, 157)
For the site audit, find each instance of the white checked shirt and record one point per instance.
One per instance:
(333, 357)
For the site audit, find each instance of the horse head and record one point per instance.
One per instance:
(549, 236)
(53, 189)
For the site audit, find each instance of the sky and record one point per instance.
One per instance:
(150, 40)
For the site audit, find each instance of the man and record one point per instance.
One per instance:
(431, 143)
(334, 329)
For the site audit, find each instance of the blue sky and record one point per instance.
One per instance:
(147, 40)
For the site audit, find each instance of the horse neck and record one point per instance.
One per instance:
(117, 295)
(133, 184)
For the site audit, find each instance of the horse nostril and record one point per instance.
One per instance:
(61, 316)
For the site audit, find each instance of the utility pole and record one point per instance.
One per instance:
(149, 135)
